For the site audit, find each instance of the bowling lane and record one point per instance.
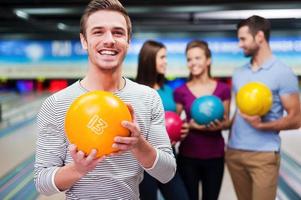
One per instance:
(16, 147)
(17, 144)
(291, 141)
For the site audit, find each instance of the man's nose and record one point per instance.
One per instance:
(240, 44)
(108, 38)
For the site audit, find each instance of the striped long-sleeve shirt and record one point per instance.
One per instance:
(116, 177)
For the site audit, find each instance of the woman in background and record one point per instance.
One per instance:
(201, 153)
(152, 64)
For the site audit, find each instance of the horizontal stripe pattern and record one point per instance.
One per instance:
(116, 177)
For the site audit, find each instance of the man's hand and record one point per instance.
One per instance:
(69, 174)
(136, 143)
(131, 142)
(254, 121)
(84, 164)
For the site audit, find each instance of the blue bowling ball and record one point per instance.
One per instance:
(206, 109)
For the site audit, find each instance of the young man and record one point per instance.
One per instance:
(105, 34)
(253, 150)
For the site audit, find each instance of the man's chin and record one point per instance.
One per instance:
(107, 68)
(107, 65)
(247, 55)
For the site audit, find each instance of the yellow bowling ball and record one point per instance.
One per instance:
(254, 98)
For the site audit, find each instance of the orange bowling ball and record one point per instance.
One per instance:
(94, 119)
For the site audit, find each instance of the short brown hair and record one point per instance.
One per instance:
(255, 24)
(112, 5)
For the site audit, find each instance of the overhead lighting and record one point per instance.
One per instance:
(61, 26)
(173, 9)
(21, 14)
(50, 11)
(242, 14)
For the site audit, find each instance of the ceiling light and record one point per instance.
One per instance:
(21, 14)
(61, 26)
(50, 11)
(242, 14)
(171, 9)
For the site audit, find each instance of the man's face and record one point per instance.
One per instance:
(247, 42)
(106, 39)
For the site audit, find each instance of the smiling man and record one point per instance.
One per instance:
(253, 154)
(105, 32)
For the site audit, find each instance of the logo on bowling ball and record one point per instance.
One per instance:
(97, 125)
(207, 109)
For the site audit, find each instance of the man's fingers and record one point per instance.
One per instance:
(80, 155)
(125, 140)
(72, 149)
(91, 156)
(132, 127)
(122, 147)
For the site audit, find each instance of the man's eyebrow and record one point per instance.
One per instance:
(113, 28)
(97, 27)
(118, 28)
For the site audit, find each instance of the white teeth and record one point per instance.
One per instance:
(106, 52)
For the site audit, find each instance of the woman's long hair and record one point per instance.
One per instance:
(147, 70)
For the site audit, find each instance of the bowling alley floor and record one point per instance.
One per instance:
(17, 144)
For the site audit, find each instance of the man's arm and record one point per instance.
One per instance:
(50, 148)
(291, 104)
(158, 161)
(69, 174)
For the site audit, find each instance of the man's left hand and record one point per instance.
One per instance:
(131, 142)
(254, 121)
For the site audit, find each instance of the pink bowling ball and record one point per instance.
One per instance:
(173, 125)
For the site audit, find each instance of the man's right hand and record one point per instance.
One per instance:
(84, 164)
(69, 174)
